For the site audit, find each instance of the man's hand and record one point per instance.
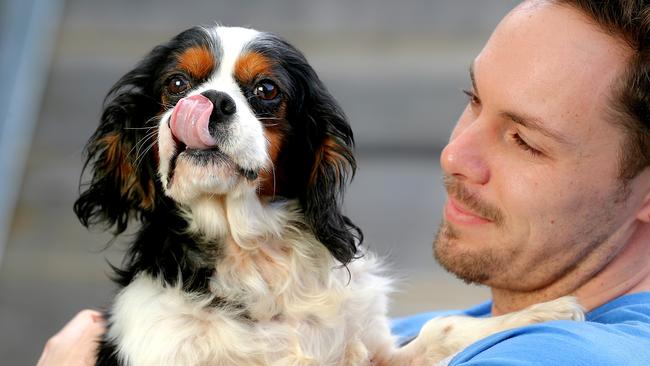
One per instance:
(76, 343)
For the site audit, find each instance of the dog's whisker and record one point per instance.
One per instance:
(140, 159)
(270, 168)
(268, 118)
(273, 175)
(141, 142)
(136, 146)
(140, 128)
(150, 139)
(152, 119)
(167, 106)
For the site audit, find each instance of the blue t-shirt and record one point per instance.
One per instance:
(616, 333)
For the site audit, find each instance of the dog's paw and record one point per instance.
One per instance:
(564, 308)
(356, 354)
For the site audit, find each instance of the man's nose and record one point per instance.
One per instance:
(465, 158)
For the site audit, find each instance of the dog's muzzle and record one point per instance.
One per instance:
(194, 118)
(194, 123)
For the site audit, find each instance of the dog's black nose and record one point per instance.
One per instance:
(224, 106)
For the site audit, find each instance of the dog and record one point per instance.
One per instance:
(233, 156)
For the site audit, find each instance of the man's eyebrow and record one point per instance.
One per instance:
(529, 122)
(535, 124)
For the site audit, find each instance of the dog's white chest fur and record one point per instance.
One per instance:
(162, 325)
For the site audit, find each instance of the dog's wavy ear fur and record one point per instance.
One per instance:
(322, 146)
(119, 154)
(334, 165)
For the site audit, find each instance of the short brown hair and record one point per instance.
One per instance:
(628, 20)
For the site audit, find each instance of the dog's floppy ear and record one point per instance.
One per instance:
(320, 150)
(119, 153)
(329, 168)
(333, 166)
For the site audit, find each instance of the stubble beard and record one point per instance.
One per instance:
(489, 265)
(472, 268)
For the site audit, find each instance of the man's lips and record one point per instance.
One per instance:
(455, 213)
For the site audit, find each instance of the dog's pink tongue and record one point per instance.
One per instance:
(189, 122)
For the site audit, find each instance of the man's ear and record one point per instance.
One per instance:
(120, 155)
(644, 212)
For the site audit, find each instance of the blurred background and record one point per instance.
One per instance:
(397, 68)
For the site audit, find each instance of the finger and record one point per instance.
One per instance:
(76, 343)
(84, 323)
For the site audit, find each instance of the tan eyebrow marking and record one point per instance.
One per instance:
(251, 64)
(197, 61)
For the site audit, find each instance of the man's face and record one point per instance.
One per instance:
(532, 163)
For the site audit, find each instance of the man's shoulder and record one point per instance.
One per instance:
(562, 343)
(617, 333)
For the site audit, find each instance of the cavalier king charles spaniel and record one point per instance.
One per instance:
(230, 152)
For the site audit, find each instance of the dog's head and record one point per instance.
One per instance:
(217, 110)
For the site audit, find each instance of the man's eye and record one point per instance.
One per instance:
(178, 84)
(266, 90)
(473, 99)
(524, 145)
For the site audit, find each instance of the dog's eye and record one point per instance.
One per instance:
(266, 90)
(177, 84)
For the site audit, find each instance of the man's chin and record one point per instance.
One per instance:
(469, 266)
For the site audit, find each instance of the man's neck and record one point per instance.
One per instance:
(595, 281)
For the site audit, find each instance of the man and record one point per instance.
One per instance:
(548, 185)
(549, 191)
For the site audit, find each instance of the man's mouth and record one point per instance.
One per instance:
(465, 208)
(458, 214)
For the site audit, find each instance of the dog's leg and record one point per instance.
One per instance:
(356, 354)
(443, 337)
